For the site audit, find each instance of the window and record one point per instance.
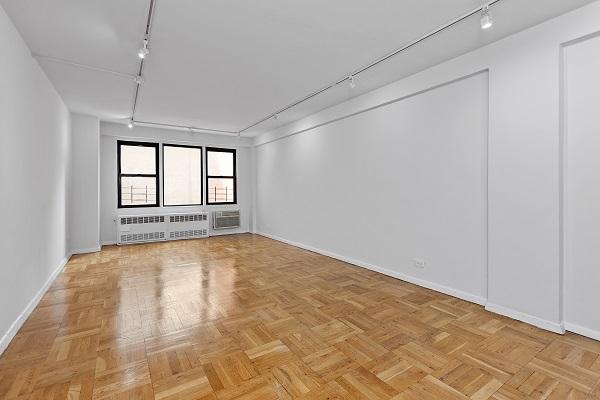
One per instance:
(137, 180)
(221, 176)
(182, 175)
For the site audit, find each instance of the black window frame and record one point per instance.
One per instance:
(234, 176)
(120, 175)
(201, 174)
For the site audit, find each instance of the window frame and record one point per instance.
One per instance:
(234, 176)
(201, 174)
(121, 175)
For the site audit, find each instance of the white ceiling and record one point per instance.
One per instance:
(224, 64)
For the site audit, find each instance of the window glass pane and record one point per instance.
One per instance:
(220, 190)
(219, 163)
(182, 175)
(138, 191)
(138, 160)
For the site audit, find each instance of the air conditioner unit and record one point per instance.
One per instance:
(226, 219)
(152, 228)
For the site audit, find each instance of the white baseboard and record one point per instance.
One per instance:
(555, 327)
(227, 232)
(108, 243)
(411, 279)
(88, 250)
(14, 328)
(583, 331)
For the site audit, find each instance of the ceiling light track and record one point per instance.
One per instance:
(82, 66)
(184, 128)
(143, 51)
(482, 9)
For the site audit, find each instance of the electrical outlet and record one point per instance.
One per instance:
(419, 263)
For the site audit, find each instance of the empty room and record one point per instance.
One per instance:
(220, 199)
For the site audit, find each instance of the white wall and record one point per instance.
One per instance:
(34, 174)
(582, 187)
(110, 133)
(524, 185)
(402, 182)
(84, 209)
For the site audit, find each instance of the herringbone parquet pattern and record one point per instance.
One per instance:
(244, 317)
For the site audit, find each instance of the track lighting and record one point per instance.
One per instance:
(486, 19)
(138, 79)
(144, 51)
(130, 124)
(351, 82)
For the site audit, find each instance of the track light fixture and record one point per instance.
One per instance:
(144, 51)
(138, 79)
(486, 19)
(351, 82)
(130, 124)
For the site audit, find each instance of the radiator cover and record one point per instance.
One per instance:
(160, 227)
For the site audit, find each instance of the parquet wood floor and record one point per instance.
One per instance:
(245, 317)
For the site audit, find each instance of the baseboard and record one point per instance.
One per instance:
(88, 250)
(14, 328)
(227, 232)
(108, 243)
(583, 331)
(398, 275)
(523, 317)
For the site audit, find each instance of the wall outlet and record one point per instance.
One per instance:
(419, 263)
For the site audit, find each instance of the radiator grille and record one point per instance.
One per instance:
(192, 233)
(141, 237)
(151, 228)
(148, 219)
(188, 218)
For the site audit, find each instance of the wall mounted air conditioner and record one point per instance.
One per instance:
(153, 228)
(226, 219)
